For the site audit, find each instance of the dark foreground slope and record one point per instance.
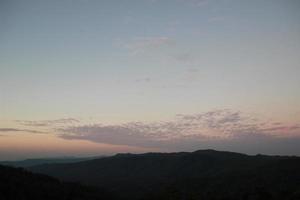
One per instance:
(19, 184)
(205, 174)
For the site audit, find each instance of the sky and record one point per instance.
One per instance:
(97, 77)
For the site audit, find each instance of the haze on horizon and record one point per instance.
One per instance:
(87, 77)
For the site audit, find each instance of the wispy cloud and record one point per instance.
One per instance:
(20, 130)
(216, 19)
(222, 129)
(186, 58)
(143, 80)
(282, 128)
(46, 123)
(217, 128)
(114, 134)
(139, 45)
(203, 128)
(198, 3)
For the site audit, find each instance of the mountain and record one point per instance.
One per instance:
(40, 161)
(19, 184)
(203, 174)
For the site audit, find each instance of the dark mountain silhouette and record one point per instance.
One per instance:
(40, 161)
(19, 184)
(204, 174)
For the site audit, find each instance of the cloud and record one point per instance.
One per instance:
(198, 3)
(222, 120)
(120, 135)
(144, 80)
(216, 19)
(186, 58)
(282, 129)
(215, 127)
(142, 44)
(46, 123)
(19, 130)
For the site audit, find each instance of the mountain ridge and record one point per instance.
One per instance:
(135, 176)
(38, 161)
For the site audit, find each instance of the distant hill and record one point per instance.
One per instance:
(19, 184)
(203, 174)
(40, 161)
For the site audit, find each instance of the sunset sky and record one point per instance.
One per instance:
(97, 77)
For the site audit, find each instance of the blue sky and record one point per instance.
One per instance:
(116, 62)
